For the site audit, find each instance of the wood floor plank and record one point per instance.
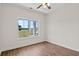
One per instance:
(41, 49)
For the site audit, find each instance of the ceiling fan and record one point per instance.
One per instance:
(44, 5)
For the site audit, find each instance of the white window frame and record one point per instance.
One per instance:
(32, 36)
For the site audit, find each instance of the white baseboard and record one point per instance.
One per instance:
(63, 45)
(9, 48)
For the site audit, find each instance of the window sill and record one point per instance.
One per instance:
(30, 37)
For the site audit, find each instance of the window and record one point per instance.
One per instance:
(27, 28)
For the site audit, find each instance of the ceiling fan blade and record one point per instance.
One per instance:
(49, 7)
(39, 6)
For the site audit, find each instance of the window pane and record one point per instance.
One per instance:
(25, 23)
(23, 28)
(31, 27)
(34, 22)
(36, 27)
(31, 24)
(20, 23)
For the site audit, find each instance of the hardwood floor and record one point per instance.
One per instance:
(41, 49)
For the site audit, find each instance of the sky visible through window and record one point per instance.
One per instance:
(25, 23)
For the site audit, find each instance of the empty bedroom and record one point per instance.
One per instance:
(39, 29)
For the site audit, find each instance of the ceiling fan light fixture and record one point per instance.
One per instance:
(48, 4)
(44, 5)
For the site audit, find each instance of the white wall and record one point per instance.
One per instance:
(9, 26)
(63, 27)
(0, 27)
